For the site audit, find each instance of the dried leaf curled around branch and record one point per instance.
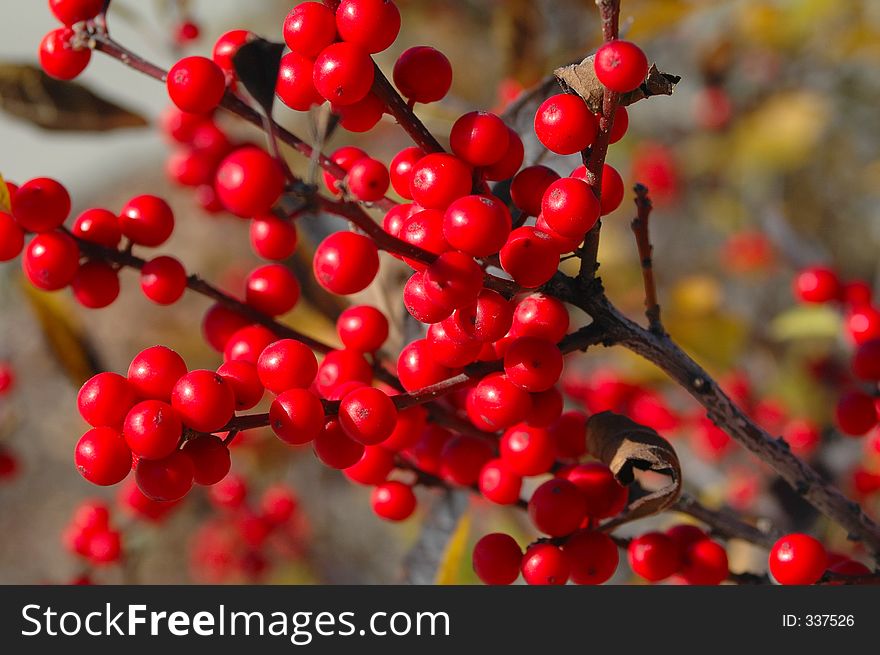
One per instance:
(257, 63)
(26, 92)
(581, 78)
(626, 446)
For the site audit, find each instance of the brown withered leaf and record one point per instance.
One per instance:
(581, 78)
(28, 93)
(626, 446)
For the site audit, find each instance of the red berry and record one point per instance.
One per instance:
(410, 424)
(219, 324)
(528, 187)
(343, 73)
(196, 85)
(373, 466)
(654, 556)
(75, 11)
(540, 316)
(335, 448)
(545, 564)
(488, 318)
(401, 170)
(866, 361)
(368, 179)
(346, 262)
(530, 257)
(59, 58)
(230, 493)
(203, 400)
(463, 457)
(309, 28)
(447, 350)
(477, 225)
(393, 501)
(797, 559)
(563, 243)
(272, 289)
(705, 563)
(621, 66)
(557, 507)
(147, 221)
(565, 125)
(225, 48)
(511, 161)
(367, 415)
(570, 207)
(547, 407)
(210, 459)
(154, 372)
(344, 157)
(7, 378)
(341, 366)
(41, 205)
(249, 182)
(424, 229)
(817, 285)
(105, 547)
(296, 416)
(423, 74)
(278, 504)
(620, 125)
(533, 364)
(497, 403)
(51, 260)
(592, 556)
(95, 285)
(245, 382)
(163, 280)
(527, 450)
(855, 413)
(360, 116)
(248, 343)
(863, 324)
(453, 280)
(612, 190)
(272, 237)
(287, 364)
(362, 328)
(11, 238)
(439, 179)
(499, 484)
(605, 496)
(479, 138)
(102, 457)
(295, 86)
(416, 368)
(165, 479)
(371, 24)
(152, 429)
(497, 558)
(104, 400)
(98, 226)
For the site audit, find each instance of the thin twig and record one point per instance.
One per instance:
(646, 252)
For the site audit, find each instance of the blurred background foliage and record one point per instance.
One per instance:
(766, 159)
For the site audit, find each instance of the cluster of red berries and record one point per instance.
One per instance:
(63, 54)
(91, 536)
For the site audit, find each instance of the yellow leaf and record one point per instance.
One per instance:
(68, 342)
(5, 200)
(456, 551)
(805, 322)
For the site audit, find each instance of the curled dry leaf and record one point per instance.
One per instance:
(581, 78)
(257, 63)
(626, 446)
(28, 93)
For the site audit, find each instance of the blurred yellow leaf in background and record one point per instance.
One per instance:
(456, 552)
(5, 200)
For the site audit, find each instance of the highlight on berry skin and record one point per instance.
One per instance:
(394, 255)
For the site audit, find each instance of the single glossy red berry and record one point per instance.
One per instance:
(295, 86)
(245, 382)
(51, 260)
(496, 403)
(371, 24)
(564, 124)
(612, 190)
(817, 284)
(410, 424)
(154, 372)
(499, 484)
(862, 324)
(393, 501)
(210, 459)
(654, 556)
(362, 328)
(593, 557)
(497, 558)
(220, 323)
(528, 188)
(287, 364)
(226, 47)
(95, 285)
(339, 367)
(367, 415)
(424, 229)
(511, 161)
(855, 413)
(361, 116)
(346, 262)
(102, 457)
(448, 351)
(477, 225)
(453, 280)
(545, 564)
(540, 316)
(533, 364)
(296, 416)
(196, 84)
(797, 559)
(621, 66)
(530, 257)
(163, 280)
(480, 138)
(416, 368)
(98, 226)
(401, 170)
(248, 343)
(272, 289)
(605, 496)
(343, 73)
(272, 237)
(11, 238)
(439, 179)
(335, 448)
(59, 58)
(104, 400)
(570, 207)
(373, 466)
(423, 74)
(704, 563)
(70, 12)
(41, 205)
(368, 179)
(203, 400)
(488, 318)
(165, 479)
(249, 181)
(309, 28)
(463, 457)
(147, 221)
(557, 507)
(152, 429)
(527, 450)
